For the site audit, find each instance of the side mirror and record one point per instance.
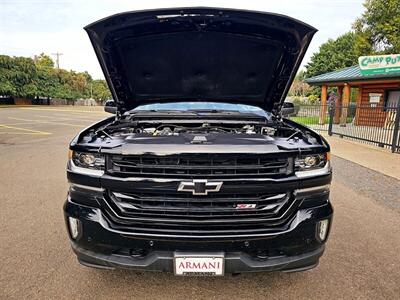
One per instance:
(110, 109)
(287, 109)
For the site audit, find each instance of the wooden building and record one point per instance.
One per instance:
(377, 96)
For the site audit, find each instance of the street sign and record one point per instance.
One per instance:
(379, 64)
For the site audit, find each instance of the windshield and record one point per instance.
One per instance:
(193, 106)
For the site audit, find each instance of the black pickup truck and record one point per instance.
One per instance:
(197, 172)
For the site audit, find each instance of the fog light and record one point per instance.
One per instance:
(73, 227)
(322, 229)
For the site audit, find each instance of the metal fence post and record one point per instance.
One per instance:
(331, 117)
(396, 129)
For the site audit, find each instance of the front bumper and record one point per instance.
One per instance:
(296, 249)
(234, 262)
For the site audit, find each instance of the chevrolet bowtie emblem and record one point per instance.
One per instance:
(199, 186)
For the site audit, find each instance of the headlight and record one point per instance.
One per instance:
(312, 165)
(310, 162)
(88, 160)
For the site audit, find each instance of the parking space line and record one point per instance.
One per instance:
(68, 110)
(48, 122)
(20, 123)
(20, 133)
(24, 129)
(68, 117)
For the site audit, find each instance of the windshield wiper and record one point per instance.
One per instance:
(216, 111)
(162, 111)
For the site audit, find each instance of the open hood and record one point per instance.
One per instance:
(199, 54)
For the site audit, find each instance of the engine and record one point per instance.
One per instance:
(177, 129)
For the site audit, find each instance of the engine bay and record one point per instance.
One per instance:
(167, 129)
(128, 129)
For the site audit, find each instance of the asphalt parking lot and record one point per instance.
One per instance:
(362, 260)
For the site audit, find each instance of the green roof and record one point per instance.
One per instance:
(348, 74)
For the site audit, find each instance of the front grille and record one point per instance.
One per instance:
(217, 216)
(199, 166)
(143, 195)
(199, 208)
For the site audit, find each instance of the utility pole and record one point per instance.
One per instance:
(57, 55)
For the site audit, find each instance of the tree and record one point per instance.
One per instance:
(299, 87)
(379, 26)
(21, 72)
(7, 87)
(78, 84)
(64, 88)
(333, 55)
(100, 90)
(46, 78)
(43, 61)
(37, 77)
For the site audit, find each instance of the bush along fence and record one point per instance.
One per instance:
(47, 101)
(372, 124)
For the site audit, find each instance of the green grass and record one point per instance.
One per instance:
(313, 120)
(308, 120)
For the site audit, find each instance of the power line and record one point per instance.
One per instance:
(57, 55)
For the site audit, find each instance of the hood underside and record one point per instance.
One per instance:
(199, 54)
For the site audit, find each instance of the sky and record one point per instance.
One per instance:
(35, 26)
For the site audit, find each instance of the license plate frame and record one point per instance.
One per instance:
(197, 260)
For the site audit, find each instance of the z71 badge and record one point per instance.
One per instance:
(245, 206)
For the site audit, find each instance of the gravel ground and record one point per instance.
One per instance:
(381, 188)
(361, 261)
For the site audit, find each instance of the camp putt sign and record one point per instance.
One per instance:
(379, 64)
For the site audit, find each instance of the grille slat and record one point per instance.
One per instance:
(205, 166)
(223, 231)
(193, 174)
(201, 209)
(198, 207)
(166, 222)
(185, 197)
(213, 167)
